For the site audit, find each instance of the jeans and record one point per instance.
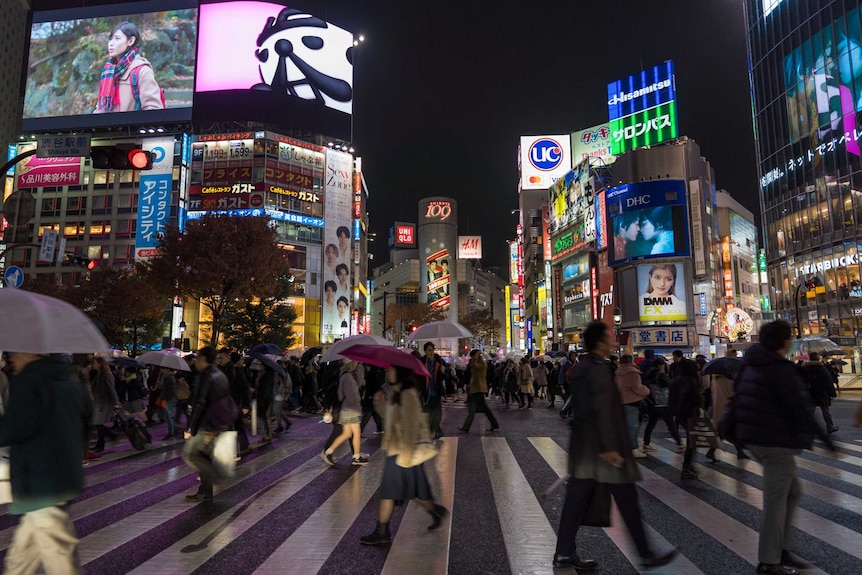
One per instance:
(781, 494)
(166, 416)
(476, 402)
(663, 413)
(44, 537)
(633, 421)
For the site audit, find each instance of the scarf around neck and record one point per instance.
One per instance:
(108, 99)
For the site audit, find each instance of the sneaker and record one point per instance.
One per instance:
(680, 448)
(646, 448)
(360, 460)
(638, 453)
(92, 456)
(327, 457)
(689, 474)
(833, 429)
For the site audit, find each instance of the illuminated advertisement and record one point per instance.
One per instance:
(662, 292)
(601, 220)
(546, 232)
(34, 172)
(261, 60)
(154, 201)
(648, 220)
(111, 65)
(605, 291)
(543, 160)
(337, 241)
(823, 80)
(438, 282)
(513, 263)
(594, 144)
(402, 235)
(572, 202)
(642, 109)
(469, 247)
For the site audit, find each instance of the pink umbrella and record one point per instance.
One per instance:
(385, 356)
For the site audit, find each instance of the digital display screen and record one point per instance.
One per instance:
(111, 65)
(662, 292)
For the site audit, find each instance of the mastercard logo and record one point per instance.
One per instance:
(535, 179)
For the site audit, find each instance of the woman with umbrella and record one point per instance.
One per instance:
(401, 482)
(104, 399)
(349, 415)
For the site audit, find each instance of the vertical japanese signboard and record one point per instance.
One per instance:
(154, 203)
(337, 250)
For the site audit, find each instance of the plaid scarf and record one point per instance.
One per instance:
(108, 99)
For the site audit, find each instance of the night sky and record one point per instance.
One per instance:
(444, 90)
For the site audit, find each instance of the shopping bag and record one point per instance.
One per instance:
(599, 511)
(703, 433)
(224, 454)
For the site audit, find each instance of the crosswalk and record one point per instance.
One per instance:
(287, 512)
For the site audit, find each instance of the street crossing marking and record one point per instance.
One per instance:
(530, 539)
(557, 458)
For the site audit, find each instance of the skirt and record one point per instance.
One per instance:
(346, 417)
(403, 483)
(134, 406)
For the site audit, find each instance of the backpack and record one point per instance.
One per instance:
(136, 91)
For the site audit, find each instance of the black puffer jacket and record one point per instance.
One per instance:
(771, 403)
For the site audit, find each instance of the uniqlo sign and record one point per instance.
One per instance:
(405, 235)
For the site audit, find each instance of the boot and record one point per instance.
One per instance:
(380, 536)
(437, 515)
(689, 473)
(711, 455)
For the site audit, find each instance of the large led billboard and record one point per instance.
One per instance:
(111, 65)
(647, 220)
(263, 61)
(662, 292)
(642, 109)
(823, 79)
(543, 160)
(572, 203)
(593, 143)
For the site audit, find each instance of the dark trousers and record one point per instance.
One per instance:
(100, 437)
(476, 402)
(578, 495)
(507, 395)
(241, 437)
(367, 416)
(528, 397)
(663, 413)
(434, 408)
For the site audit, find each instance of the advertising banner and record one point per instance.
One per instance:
(572, 202)
(546, 232)
(208, 202)
(648, 220)
(663, 292)
(36, 172)
(543, 159)
(154, 201)
(594, 144)
(660, 336)
(642, 109)
(245, 70)
(698, 243)
(337, 241)
(144, 72)
(469, 247)
(513, 263)
(601, 220)
(606, 296)
(437, 286)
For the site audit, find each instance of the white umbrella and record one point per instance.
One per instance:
(808, 344)
(164, 359)
(439, 330)
(334, 351)
(541, 358)
(36, 323)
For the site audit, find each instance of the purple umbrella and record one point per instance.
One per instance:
(385, 356)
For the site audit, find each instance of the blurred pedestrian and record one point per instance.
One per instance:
(821, 388)
(131, 392)
(477, 371)
(510, 383)
(686, 402)
(722, 391)
(525, 384)
(349, 416)
(632, 391)
(167, 399)
(105, 399)
(432, 395)
(658, 403)
(540, 379)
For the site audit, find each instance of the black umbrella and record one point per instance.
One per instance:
(269, 348)
(833, 352)
(838, 362)
(269, 362)
(124, 361)
(727, 366)
(309, 354)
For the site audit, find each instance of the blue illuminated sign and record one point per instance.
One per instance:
(641, 91)
(546, 154)
(357, 230)
(702, 303)
(10, 155)
(258, 212)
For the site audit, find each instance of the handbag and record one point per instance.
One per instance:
(424, 448)
(599, 510)
(703, 433)
(224, 454)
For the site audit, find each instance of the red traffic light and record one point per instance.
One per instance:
(91, 265)
(121, 158)
(140, 159)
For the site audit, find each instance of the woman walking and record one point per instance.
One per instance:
(657, 403)
(478, 374)
(510, 383)
(349, 415)
(104, 399)
(525, 384)
(402, 418)
(167, 386)
(686, 402)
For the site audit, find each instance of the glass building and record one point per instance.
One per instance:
(806, 79)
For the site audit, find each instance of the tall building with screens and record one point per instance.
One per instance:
(806, 75)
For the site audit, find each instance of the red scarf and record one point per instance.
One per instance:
(108, 99)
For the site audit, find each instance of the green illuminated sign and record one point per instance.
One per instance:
(644, 128)
(564, 242)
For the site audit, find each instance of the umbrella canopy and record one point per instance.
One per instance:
(269, 348)
(309, 354)
(334, 351)
(164, 359)
(439, 330)
(727, 366)
(40, 324)
(126, 361)
(269, 361)
(821, 345)
(541, 358)
(385, 356)
(837, 362)
(833, 352)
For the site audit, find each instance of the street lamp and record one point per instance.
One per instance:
(618, 320)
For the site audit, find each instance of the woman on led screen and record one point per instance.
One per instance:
(657, 231)
(659, 302)
(626, 229)
(343, 311)
(127, 82)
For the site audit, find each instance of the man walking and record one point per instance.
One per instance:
(45, 423)
(433, 396)
(239, 390)
(600, 452)
(477, 371)
(821, 388)
(213, 411)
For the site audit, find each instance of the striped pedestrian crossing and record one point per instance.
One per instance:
(288, 512)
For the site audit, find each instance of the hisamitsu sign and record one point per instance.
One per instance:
(642, 109)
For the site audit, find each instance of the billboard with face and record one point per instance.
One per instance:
(663, 293)
(572, 202)
(647, 220)
(263, 61)
(338, 247)
(111, 65)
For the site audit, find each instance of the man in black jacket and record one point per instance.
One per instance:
(821, 388)
(773, 418)
(213, 411)
(239, 390)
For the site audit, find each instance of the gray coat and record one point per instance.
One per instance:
(599, 425)
(103, 409)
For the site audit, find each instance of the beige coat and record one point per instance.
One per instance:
(478, 375)
(722, 391)
(525, 378)
(148, 88)
(400, 423)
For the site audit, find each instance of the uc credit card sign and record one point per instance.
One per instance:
(154, 201)
(642, 109)
(543, 160)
